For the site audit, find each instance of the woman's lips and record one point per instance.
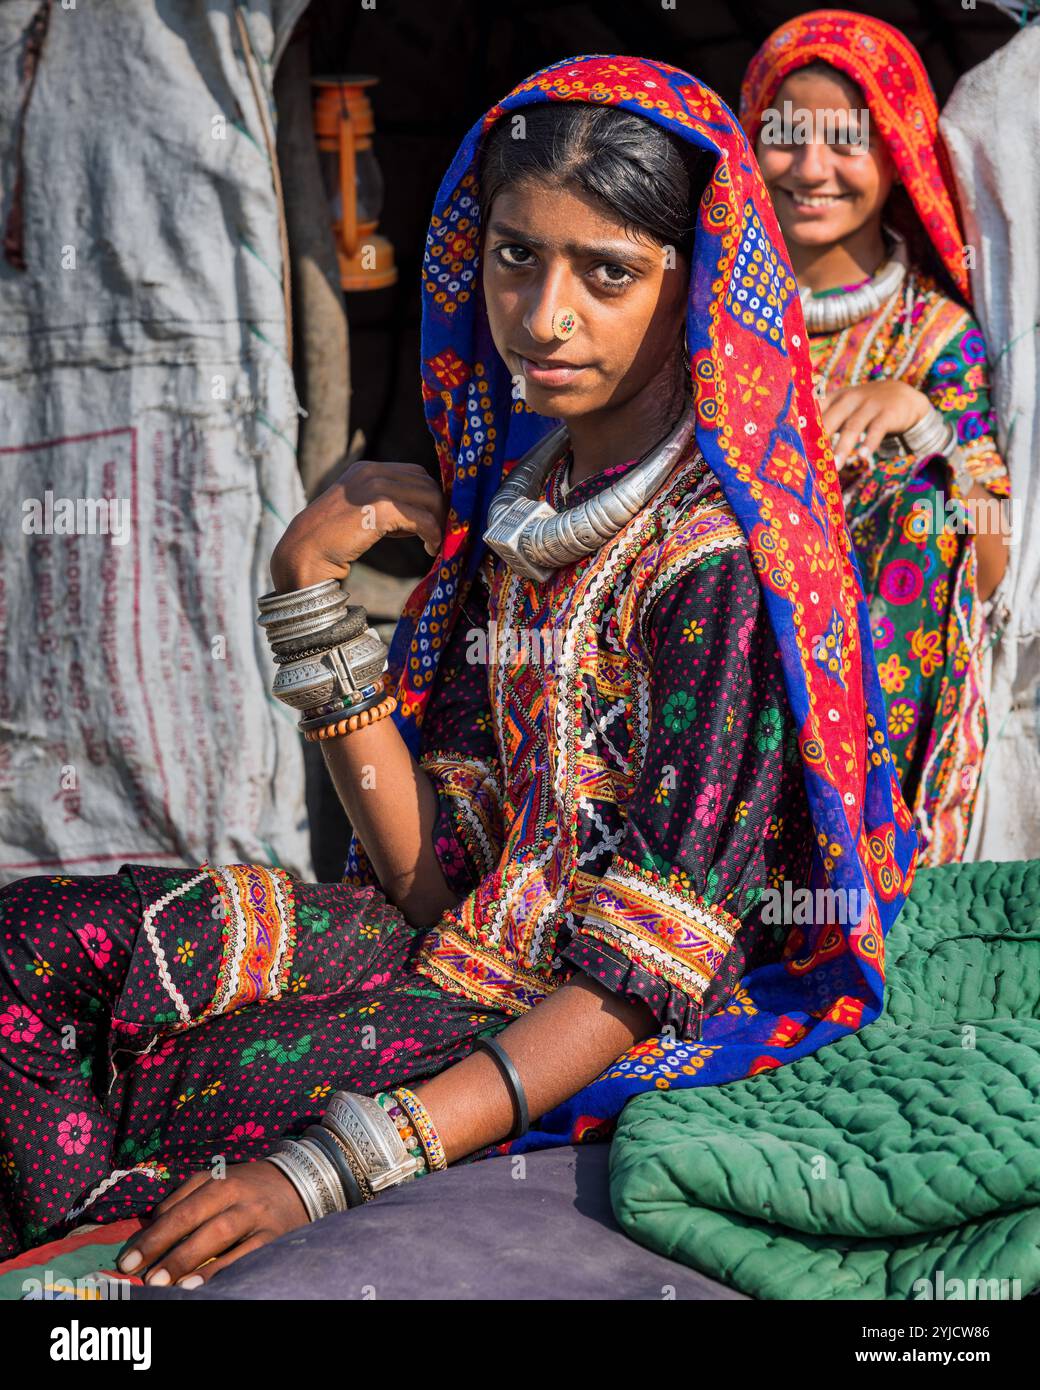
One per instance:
(550, 374)
(814, 204)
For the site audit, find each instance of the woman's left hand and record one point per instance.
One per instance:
(213, 1219)
(864, 415)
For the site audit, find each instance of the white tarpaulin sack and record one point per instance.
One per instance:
(147, 438)
(991, 125)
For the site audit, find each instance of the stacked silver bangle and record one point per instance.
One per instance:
(932, 435)
(312, 1173)
(355, 1153)
(329, 660)
(936, 435)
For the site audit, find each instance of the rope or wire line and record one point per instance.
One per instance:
(1023, 12)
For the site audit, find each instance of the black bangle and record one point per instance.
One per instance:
(336, 1156)
(523, 1119)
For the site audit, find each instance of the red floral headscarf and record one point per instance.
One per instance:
(899, 97)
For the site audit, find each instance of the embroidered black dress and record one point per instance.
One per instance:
(617, 789)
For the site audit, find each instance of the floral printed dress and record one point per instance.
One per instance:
(918, 562)
(616, 799)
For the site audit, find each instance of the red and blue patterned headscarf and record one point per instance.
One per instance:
(759, 428)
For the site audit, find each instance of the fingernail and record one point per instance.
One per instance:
(161, 1276)
(191, 1282)
(130, 1260)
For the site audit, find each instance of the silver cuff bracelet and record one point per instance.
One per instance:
(362, 1124)
(341, 671)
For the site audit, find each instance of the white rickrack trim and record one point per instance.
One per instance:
(509, 604)
(284, 915)
(610, 841)
(435, 760)
(151, 912)
(145, 1170)
(545, 917)
(673, 572)
(568, 673)
(600, 723)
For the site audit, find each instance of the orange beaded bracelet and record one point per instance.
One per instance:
(354, 722)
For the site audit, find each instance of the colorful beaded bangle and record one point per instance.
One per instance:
(405, 1129)
(428, 1136)
(355, 722)
(359, 700)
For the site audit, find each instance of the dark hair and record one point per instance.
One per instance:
(649, 179)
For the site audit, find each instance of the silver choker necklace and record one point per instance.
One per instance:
(534, 539)
(834, 311)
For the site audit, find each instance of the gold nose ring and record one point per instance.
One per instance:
(564, 324)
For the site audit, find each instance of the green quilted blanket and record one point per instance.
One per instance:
(901, 1162)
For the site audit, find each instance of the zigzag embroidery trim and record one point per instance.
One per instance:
(691, 978)
(486, 773)
(151, 912)
(714, 545)
(286, 919)
(506, 985)
(604, 573)
(146, 1170)
(474, 819)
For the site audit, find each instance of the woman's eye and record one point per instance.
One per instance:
(512, 255)
(614, 276)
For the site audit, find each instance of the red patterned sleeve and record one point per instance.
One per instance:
(719, 813)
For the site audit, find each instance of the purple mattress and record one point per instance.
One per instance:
(539, 1227)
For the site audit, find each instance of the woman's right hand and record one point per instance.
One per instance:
(367, 501)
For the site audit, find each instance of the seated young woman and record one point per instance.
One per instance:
(563, 846)
(868, 212)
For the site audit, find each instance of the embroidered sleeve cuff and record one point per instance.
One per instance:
(664, 934)
(467, 835)
(983, 464)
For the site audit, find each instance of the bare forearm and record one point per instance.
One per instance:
(392, 806)
(991, 541)
(561, 1045)
(388, 798)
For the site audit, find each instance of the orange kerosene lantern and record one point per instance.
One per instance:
(343, 124)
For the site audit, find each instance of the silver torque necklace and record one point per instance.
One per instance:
(534, 539)
(833, 311)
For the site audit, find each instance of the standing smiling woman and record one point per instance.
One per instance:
(559, 866)
(901, 363)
